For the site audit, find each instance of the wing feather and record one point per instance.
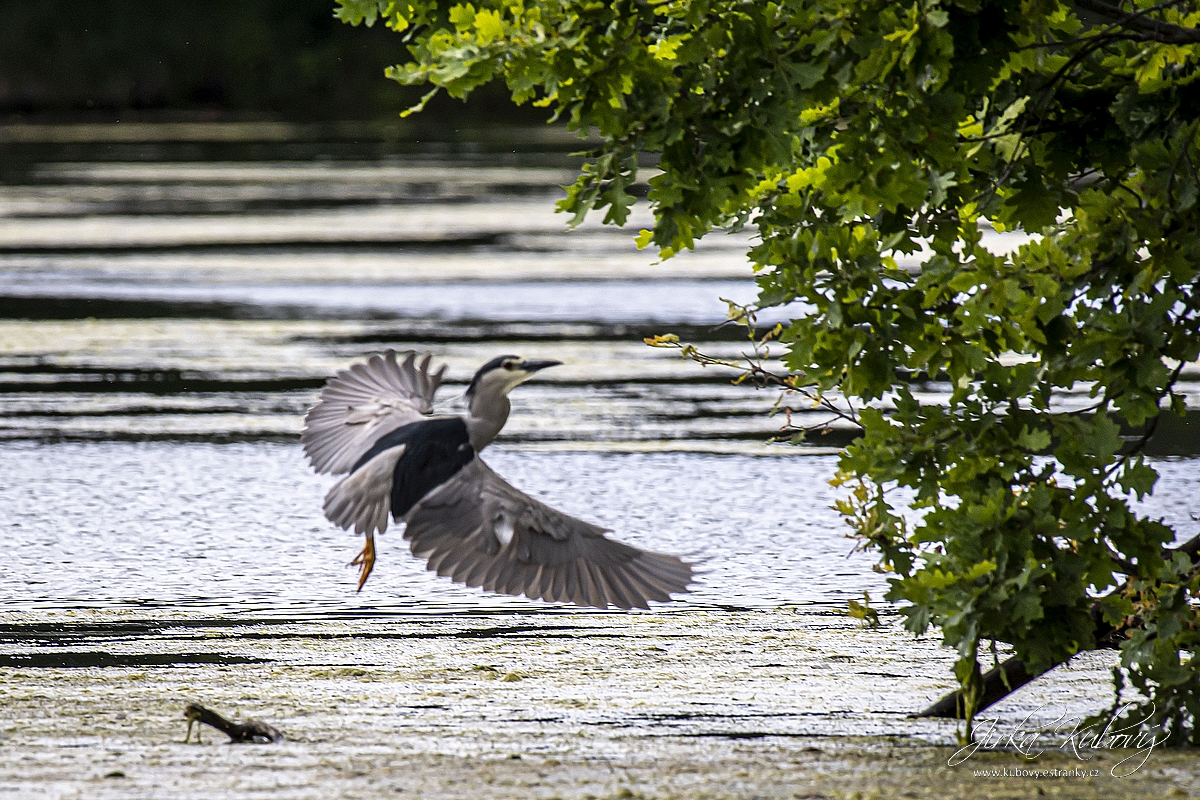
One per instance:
(477, 575)
(363, 402)
(603, 590)
(543, 583)
(558, 584)
(493, 571)
(627, 585)
(615, 589)
(444, 561)
(461, 529)
(648, 574)
(570, 585)
(518, 579)
(654, 588)
(591, 590)
(363, 499)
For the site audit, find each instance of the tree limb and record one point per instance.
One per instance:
(1012, 674)
(1153, 29)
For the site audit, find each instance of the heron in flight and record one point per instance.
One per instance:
(374, 423)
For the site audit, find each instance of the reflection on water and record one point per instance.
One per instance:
(164, 325)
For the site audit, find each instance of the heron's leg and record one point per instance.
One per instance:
(365, 560)
(191, 721)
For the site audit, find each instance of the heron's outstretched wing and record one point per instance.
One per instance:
(402, 467)
(362, 403)
(479, 530)
(363, 499)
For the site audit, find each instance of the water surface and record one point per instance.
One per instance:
(164, 324)
(167, 315)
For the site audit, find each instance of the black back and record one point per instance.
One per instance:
(435, 449)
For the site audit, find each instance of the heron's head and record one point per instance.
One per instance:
(501, 375)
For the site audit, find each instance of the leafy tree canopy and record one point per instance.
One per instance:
(871, 145)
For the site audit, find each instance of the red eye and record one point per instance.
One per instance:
(508, 365)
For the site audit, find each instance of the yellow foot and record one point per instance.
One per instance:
(365, 561)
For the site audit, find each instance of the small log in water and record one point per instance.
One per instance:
(1012, 674)
(238, 732)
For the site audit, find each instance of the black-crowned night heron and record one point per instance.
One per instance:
(375, 421)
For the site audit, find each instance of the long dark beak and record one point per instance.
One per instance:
(534, 366)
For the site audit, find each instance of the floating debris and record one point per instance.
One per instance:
(252, 731)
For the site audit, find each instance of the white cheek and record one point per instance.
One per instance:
(503, 381)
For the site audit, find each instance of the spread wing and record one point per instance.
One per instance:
(363, 499)
(479, 530)
(362, 403)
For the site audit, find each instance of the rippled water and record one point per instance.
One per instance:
(238, 527)
(167, 315)
(164, 324)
